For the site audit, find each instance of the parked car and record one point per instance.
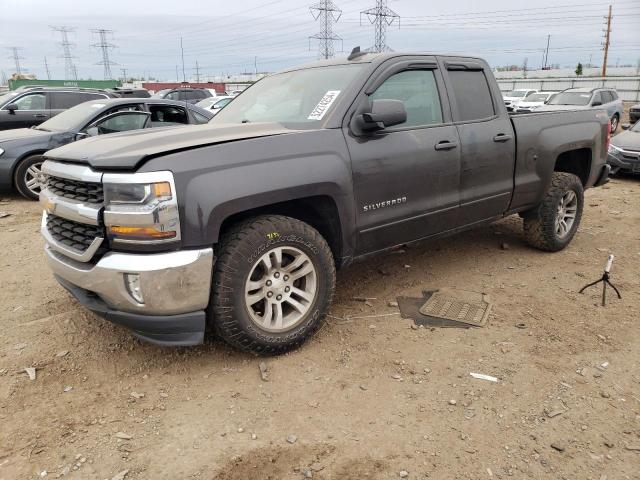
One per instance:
(588, 98)
(189, 95)
(234, 93)
(31, 106)
(240, 224)
(624, 150)
(215, 104)
(534, 101)
(511, 99)
(21, 150)
(129, 92)
(634, 113)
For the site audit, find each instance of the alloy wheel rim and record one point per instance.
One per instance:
(614, 124)
(281, 289)
(32, 178)
(566, 216)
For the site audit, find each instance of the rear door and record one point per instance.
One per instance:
(486, 137)
(32, 110)
(406, 177)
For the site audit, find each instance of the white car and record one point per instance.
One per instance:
(215, 104)
(534, 101)
(513, 98)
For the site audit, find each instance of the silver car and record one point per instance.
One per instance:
(588, 98)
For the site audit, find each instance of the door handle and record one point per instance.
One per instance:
(445, 145)
(40, 115)
(501, 137)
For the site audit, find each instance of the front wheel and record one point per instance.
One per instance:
(552, 224)
(27, 177)
(614, 123)
(272, 284)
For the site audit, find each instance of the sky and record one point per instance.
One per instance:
(235, 37)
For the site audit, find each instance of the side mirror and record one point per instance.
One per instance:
(626, 126)
(93, 131)
(384, 113)
(12, 107)
(596, 104)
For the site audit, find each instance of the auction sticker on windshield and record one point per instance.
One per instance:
(323, 105)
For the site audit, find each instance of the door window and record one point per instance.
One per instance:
(164, 115)
(606, 96)
(597, 98)
(85, 97)
(35, 101)
(122, 122)
(472, 94)
(418, 91)
(175, 95)
(64, 100)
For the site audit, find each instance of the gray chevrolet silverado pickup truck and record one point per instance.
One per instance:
(238, 226)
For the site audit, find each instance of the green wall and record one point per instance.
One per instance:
(13, 84)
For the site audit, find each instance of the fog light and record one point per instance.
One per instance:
(132, 282)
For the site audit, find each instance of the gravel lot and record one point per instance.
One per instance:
(367, 397)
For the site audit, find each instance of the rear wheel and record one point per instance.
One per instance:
(614, 123)
(273, 282)
(552, 225)
(27, 177)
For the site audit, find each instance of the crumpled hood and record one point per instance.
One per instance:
(125, 151)
(22, 134)
(627, 140)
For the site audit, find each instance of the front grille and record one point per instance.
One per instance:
(72, 234)
(82, 191)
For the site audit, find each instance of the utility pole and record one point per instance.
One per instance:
(46, 68)
(197, 72)
(607, 38)
(328, 13)
(104, 47)
(70, 72)
(15, 56)
(525, 68)
(382, 17)
(255, 65)
(184, 76)
(546, 53)
(177, 76)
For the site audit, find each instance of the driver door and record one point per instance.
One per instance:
(406, 177)
(119, 122)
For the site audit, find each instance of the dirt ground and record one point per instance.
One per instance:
(369, 397)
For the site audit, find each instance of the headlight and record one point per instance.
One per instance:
(1, 151)
(141, 208)
(613, 149)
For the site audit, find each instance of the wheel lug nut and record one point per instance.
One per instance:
(286, 289)
(286, 278)
(269, 294)
(279, 297)
(277, 274)
(269, 283)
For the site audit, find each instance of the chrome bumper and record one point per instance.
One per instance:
(170, 283)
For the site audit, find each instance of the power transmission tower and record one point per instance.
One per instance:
(70, 72)
(525, 67)
(328, 13)
(3, 78)
(124, 75)
(382, 17)
(607, 38)
(46, 68)
(197, 72)
(15, 56)
(104, 46)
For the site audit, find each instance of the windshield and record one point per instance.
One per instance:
(162, 93)
(536, 97)
(516, 93)
(7, 96)
(571, 98)
(300, 97)
(72, 119)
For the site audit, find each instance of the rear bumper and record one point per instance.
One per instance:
(174, 288)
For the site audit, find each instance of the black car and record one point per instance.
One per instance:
(190, 95)
(31, 106)
(624, 150)
(129, 92)
(634, 113)
(21, 149)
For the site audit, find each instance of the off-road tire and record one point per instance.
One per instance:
(237, 252)
(540, 222)
(19, 176)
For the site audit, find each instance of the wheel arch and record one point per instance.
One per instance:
(577, 161)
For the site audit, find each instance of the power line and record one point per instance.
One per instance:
(328, 13)
(15, 56)
(382, 17)
(607, 38)
(104, 47)
(70, 72)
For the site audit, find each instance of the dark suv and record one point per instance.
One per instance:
(190, 95)
(31, 106)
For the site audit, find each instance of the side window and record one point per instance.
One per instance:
(597, 97)
(167, 115)
(122, 122)
(65, 100)
(199, 94)
(184, 95)
(419, 92)
(472, 93)
(35, 101)
(614, 95)
(85, 97)
(606, 96)
(175, 95)
(199, 118)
